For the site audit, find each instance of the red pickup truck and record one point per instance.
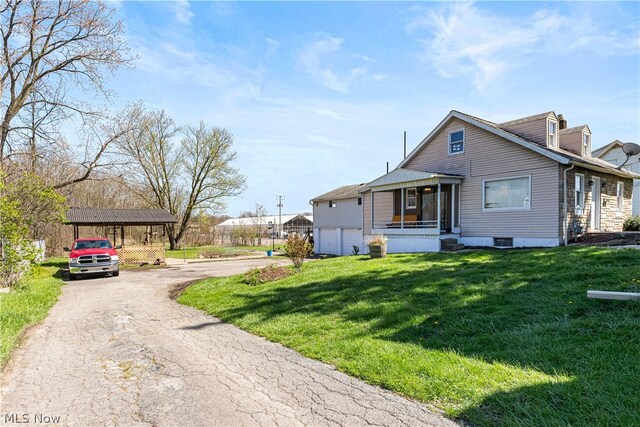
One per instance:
(92, 256)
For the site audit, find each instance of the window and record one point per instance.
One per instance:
(586, 147)
(412, 198)
(503, 242)
(332, 204)
(579, 194)
(620, 195)
(553, 133)
(507, 193)
(359, 201)
(456, 142)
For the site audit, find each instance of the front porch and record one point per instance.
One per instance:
(415, 203)
(415, 209)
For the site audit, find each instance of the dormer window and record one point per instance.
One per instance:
(586, 144)
(456, 142)
(553, 134)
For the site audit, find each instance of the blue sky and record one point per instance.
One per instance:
(318, 94)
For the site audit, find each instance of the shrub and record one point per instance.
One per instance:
(632, 224)
(270, 273)
(297, 249)
(376, 240)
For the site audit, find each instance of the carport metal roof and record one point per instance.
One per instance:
(95, 216)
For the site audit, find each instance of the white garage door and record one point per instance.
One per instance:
(351, 237)
(328, 241)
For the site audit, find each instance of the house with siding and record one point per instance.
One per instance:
(613, 154)
(340, 223)
(530, 182)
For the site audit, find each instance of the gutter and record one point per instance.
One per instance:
(616, 172)
(565, 219)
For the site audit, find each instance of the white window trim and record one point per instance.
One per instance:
(406, 196)
(523, 208)
(620, 198)
(586, 149)
(579, 210)
(556, 143)
(464, 135)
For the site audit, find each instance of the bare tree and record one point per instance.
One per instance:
(48, 46)
(193, 176)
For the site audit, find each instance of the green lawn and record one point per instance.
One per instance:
(28, 304)
(194, 252)
(492, 337)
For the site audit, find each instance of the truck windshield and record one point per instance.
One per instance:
(93, 244)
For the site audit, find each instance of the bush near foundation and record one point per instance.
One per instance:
(632, 224)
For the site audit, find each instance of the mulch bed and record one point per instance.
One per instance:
(609, 239)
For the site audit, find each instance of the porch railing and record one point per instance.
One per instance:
(407, 224)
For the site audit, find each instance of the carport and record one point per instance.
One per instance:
(114, 219)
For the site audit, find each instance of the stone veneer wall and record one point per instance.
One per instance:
(611, 219)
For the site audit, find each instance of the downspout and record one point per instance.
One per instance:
(565, 214)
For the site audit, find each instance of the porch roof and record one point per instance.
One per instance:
(403, 178)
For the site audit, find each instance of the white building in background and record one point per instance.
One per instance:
(289, 223)
(613, 153)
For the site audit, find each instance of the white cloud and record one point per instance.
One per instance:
(315, 56)
(467, 41)
(272, 46)
(323, 112)
(323, 140)
(182, 11)
(379, 77)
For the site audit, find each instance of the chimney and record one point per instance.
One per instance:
(563, 122)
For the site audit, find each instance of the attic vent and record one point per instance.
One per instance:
(503, 242)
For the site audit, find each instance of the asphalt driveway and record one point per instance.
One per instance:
(119, 351)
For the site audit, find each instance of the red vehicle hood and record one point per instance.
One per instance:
(92, 251)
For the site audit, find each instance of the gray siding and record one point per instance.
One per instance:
(572, 142)
(346, 214)
(487, 156)
(535, 130)
(383, 208)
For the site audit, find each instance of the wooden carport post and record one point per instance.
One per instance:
(122, 235)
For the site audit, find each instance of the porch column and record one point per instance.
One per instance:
(372, 211)
(453, 207)
(402, 208)
(439, 213)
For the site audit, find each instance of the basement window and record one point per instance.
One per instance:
(503, 242)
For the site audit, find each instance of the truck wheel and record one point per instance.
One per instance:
(115, 273)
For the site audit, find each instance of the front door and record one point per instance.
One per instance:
(595, 204)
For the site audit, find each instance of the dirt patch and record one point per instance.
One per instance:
(176, 290)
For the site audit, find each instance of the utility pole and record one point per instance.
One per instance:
(280, 199)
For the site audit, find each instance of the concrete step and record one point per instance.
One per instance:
(451, 247)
